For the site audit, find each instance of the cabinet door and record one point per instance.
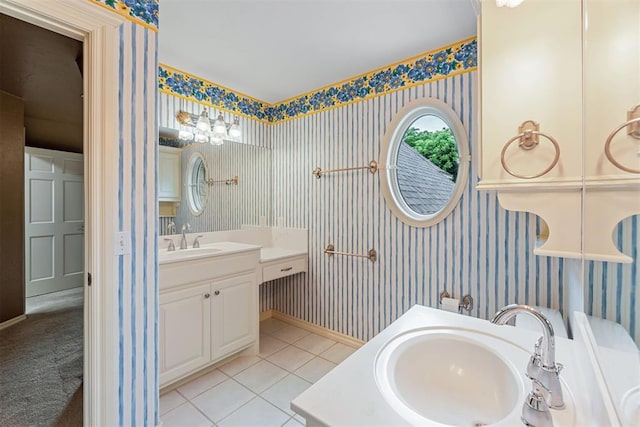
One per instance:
(234, 314)
(612, 89)
(185, 331)
(530, 61)
(169, 174)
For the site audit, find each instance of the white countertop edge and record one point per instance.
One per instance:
(275, 253)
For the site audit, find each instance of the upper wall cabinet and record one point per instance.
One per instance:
(612, 91)
(169, 174)
(560, 82)
(530, 59)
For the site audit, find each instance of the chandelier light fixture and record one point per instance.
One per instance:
(202, 129)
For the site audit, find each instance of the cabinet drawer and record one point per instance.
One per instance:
(283, 268)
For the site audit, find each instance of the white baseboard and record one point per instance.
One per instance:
(319, 330)
(13, 321)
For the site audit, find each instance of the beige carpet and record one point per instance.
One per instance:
(41, 363)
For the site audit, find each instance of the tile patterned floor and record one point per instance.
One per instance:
(256, 390)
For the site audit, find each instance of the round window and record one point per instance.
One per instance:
(425, 162)
(197, 190)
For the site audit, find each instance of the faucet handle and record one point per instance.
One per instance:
(171, 227)
(172, 246)
(186, 227)
(196, 242)
(535, 410)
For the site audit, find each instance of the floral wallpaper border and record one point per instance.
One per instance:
(143, 12)
(457, 58)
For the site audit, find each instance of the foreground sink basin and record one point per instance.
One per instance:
(436, 376)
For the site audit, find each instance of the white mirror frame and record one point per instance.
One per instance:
(389, 153)
(189, 183)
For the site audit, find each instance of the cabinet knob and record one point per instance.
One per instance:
(207, 295)
(216, 293)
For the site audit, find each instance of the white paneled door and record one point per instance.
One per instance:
(54, 221)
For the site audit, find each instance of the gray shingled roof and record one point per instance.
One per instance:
(425, 187)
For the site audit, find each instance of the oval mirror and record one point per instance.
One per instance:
(425, 162)
(197, 187)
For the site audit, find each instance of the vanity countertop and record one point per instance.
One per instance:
(349, 394)
(275, 254)
(205, 251)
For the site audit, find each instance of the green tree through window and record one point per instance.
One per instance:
(437, 146)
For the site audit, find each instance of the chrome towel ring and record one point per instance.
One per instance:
(633, 122)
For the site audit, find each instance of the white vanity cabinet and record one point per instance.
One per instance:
(234, 314)
(208, 307)
(169, 174)
(185, 331)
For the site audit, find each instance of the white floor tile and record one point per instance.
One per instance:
(239, 364)
(269, 345)
(290, 358)
(283, 392)
(314, 343)
(315, 369)
(293, 422)
(271, 325)
(223, 399)
(202, 384)
(256, 413)
(260, 376)
(185, 415)
(170, 401)
(337, 353)
(290, 334)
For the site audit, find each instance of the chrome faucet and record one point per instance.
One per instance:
(183, 242)
(172, 246)
(542, 369)
(171, 228)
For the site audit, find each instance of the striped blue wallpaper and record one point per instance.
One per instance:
(612, 291)
(480, 249)
(137, 212)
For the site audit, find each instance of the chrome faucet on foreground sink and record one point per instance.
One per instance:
(542, 369)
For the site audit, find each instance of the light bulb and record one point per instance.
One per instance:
(508, 3)
(220, 127)
(215, 140)
(203, 122)
(201, 138)
(185, 135)
(234, 132)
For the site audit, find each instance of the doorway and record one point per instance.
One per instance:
(42, 356)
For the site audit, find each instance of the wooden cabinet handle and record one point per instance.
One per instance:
(216, 293)
(207, 295)
(286, 269)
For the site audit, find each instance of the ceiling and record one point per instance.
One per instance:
(41, 67)
(276, 49)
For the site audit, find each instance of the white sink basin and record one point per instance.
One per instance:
(437, 376)
(183, 254)
(190, 252)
